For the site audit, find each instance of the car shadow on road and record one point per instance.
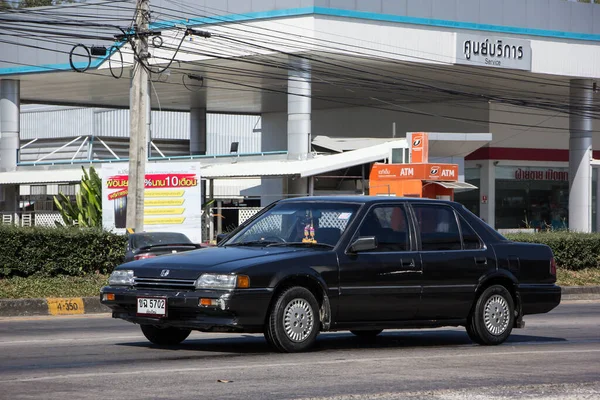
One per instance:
(256, 344)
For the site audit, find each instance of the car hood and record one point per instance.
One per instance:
(191, 264)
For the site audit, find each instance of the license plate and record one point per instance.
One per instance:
(152, 306)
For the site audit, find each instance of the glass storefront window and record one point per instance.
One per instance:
(470, 199)
(532, 197)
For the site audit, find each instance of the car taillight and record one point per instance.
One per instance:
(143, 256)
(552, 266)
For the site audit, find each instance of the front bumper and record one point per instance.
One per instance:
(538, 299)
(242, 310)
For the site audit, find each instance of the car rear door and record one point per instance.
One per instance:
(454, 258)
(382, 284)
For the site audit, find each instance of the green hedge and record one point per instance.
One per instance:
(572, 251)
(78, 252)
(58, 251)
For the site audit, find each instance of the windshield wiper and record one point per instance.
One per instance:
(308, 244)
(252, 243)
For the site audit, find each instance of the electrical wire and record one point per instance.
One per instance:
(336, 45)
(319, 79)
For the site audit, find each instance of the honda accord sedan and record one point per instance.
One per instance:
(362, 263)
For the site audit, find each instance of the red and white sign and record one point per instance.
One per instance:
(484, 199)
(172, 198)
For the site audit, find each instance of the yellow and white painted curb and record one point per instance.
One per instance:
(51, 306)
(65, 306)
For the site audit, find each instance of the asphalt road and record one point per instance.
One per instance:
(557, 356)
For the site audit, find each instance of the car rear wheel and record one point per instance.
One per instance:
(492, 319)
(293, 323)
(165, 336)
(367, 334)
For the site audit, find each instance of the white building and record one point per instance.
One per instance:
(523, 71)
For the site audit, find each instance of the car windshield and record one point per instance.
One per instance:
(298, 223)
(139, 240)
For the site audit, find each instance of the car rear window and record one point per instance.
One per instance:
(140, 240)
(438, 227)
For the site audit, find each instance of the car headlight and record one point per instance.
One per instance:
(222, 281)
(123, 277)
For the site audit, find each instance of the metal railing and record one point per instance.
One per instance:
(89, 140)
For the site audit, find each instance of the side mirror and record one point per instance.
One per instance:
(220, 237)
(363, 244)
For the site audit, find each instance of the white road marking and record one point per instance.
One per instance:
(70, 340)
(312, 363)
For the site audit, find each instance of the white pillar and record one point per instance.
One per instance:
(197, 131)
(10, 107)
(580, 155)
(299, 121)
(299, 111)
(487, 189)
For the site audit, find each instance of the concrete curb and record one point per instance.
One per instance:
(580, 293)
(51, 306)
(92, 305)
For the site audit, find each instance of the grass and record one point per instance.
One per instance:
(89, 286)
(62, 286)
(584, 277)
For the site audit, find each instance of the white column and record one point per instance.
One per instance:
(487, 188)
(580, 155)
(197, 131)
(299, 111)
(299, 121)
(10, 107)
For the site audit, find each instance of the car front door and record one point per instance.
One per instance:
(454, 258)
(381, 284)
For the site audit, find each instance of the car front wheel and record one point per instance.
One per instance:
(293, 323)
(165, 336)
(492, 319)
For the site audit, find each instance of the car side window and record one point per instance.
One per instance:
(389, 226)
(471, 240)
(438, 227)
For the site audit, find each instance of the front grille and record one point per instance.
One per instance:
(164, 283)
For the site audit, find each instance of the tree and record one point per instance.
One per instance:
(86, 211)
(4, 5)
(41, 3)
(35, 3)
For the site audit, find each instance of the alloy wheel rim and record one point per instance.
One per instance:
(298, 320)
(496, 315)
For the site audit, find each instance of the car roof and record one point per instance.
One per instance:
(363, 199)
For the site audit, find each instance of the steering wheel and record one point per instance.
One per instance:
(276, 239)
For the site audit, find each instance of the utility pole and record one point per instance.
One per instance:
(138, 106)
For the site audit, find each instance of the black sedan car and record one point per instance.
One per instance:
(152, 244)
(363, 264)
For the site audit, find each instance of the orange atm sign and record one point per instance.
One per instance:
(419, 148)
(434, 172)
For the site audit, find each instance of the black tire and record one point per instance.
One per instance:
(367, 334)
(165, 336)
(471, 331)
(286, 328)
(492, 318)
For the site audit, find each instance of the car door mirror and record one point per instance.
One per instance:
(363, 244)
